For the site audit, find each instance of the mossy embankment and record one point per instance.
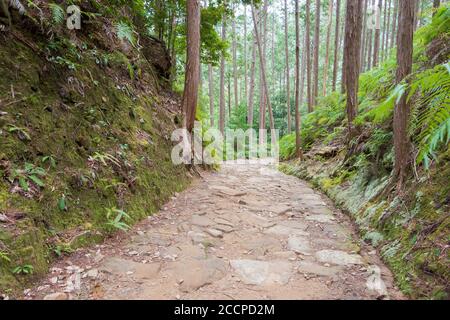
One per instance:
(410, 229)
(85, 127)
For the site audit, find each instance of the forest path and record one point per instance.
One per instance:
(246, 232)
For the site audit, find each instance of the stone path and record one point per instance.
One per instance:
(246, 232)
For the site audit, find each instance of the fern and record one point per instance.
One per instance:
(125, 31)
(430, 119)
(58, 14)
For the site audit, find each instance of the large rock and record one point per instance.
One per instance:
(261, 272)
(338, 257)
(123, 267)
(299, 244)
(198, 273)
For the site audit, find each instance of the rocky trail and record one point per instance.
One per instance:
(246, 232)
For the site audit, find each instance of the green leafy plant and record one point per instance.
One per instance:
(58, 14)
(115, 219)
(103, 158)
(49, 159)
(21, 132)
(62, 203)
(430, 120)
(62, 249)
(4, 256)
(125, 31)
(29, 173)
(24, 269)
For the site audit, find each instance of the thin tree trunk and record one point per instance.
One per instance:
(394, 24)
(402, 145)
(376, 46)
(298, 146)
(252, 86)
(192, 78)
(308, 55)
(288, 92)
(211, 95)
(364, 38)
(229, 97)
(327, 50)
(388, 28)
(383, 41)
(336, 44)
(263, 71)
(235, 75)
(245, 54)
(316, 53)
(352, 53)
(222, 83)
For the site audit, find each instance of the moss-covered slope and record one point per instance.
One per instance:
(85, 126)
(411, 229)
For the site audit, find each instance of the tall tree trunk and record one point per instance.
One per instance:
(192, 78)
(273, 49)
(402, 145)
(245, 53)
(336, 44)
(352, 53)
(383, 41)
(376, 46)
(327, 50)
(211, 95)
(364, 37)
(263, 71)
(394, 23)
(288, 92)
(370, 36)
(388, 29)
(222, 82)
(252, 85)
(316, 53)
(298, 146)
(308, 55)
(229, 96)
(235, 75)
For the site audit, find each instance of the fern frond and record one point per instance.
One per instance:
(58, 13)
(125, 31)
(430, 121)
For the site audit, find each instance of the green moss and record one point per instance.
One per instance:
(97, 111)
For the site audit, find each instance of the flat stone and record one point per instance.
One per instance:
(317, 269)
(322, 218)
(228, 191)
(224, 228)
(93, 273)
(223, 221)
(197, 237)
(282, 230)
(299, 244)
(338, 257)
(138, 270)
(215, 233)
(198, 273)
(280, 209)
(56, 296)
(152, 238)
(201, 221)
(261, 245)
(374, 282)
(256, 272)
